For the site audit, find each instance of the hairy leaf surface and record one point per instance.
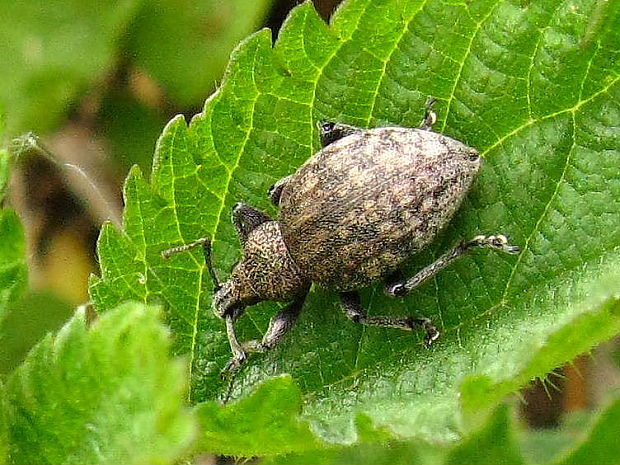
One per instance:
(104, 394)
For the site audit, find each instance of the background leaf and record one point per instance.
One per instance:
(54, 52)
(13, 271)
(600, 445)
(534, 86)
(4, 433)
(104, 394)
(195, 32)
(4, 171)
(583, 438)
(265, 421)
(494, 443)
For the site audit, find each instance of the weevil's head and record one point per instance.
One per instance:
(231, 298)
(330, 131)
(266, 272)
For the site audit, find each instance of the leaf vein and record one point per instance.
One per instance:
(466, 55)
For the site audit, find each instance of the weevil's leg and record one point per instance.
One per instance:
(203, 242)
(330, 132)
(275, 191)
(246, 219)
(355, 312)
(403, 287)
(239, 355)
(279, 325)
(430, 117)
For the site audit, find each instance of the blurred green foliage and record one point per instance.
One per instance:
(55, 54)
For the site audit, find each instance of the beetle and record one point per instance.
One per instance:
(349, 216)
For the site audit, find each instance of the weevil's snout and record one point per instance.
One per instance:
(330, 132)
(232, 296)
(225, 298)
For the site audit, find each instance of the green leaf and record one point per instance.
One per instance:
(131, 128)
(4, 433)
(25, 321)
(600, 445)
(535, 87)
(199, 36)
(52, 52)
(265, 421)
(5, 160)
(583, 438)
(13, 271)
(498, 441)
(493, 444)
(396, 453)
(104, 394)
(547, 445)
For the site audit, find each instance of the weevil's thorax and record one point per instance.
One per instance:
(266, 272)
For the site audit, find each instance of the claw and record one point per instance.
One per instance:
(233, 366)
(498, 242)
(432, 333)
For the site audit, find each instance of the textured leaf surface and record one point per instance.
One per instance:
(52, 51)
(535, 87)
(587, 438)
(494, 443)
(4, 433)
(4, 171)
(266, 421)
(13, 271)
(104, 394)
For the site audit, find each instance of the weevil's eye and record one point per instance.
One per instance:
(327, 126)
(474, 155)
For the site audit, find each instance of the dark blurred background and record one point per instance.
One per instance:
(97, 81)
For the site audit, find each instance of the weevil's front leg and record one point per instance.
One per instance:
(239, 355)
(279, 325)
(430, 117)
(275, 191)
(352, 306)
(403, 287)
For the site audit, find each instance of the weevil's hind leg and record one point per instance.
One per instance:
(330, 132)
(402, 287)
(352, 306)
(246, 219)
(275, 191)
(279, 325)
(430, 117)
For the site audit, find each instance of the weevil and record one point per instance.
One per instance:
(351, 215)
